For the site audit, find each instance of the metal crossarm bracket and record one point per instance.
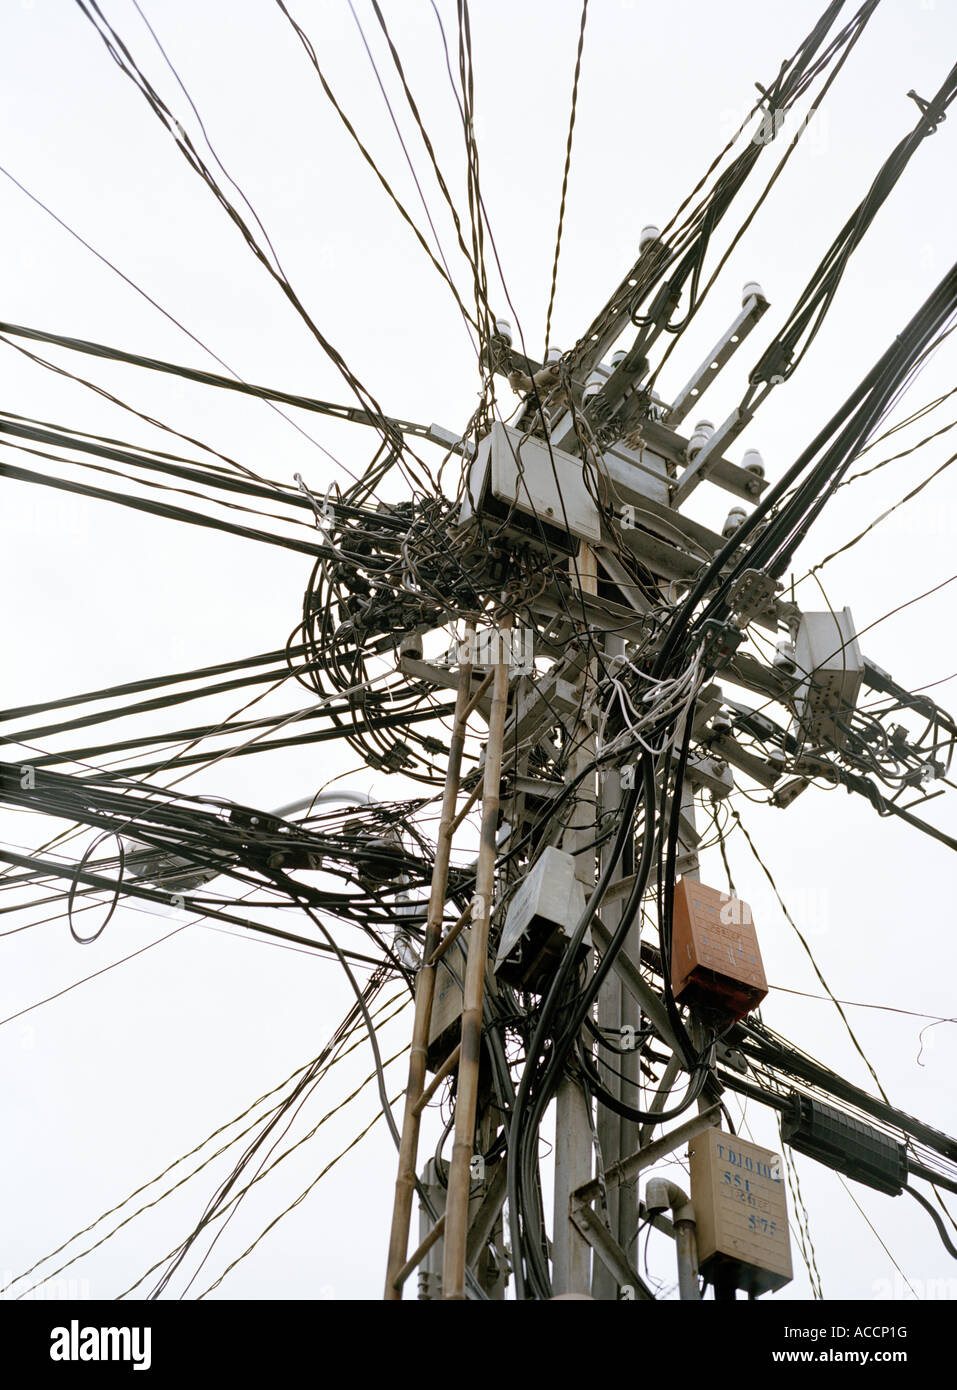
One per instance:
(723, 350)
(705, 463)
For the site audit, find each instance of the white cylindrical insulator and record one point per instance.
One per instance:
(593, 385)
(648, 235)
(553, 355)
(703, 431)
(618, 357)
(785, 658)
(733, 521)
(503, 329)
(751, 290)
(406, 952)
(752, 462)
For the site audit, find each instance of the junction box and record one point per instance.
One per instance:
(715, 960)
(741, 1214)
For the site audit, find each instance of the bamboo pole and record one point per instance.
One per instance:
(457, 1202)
(424, 994)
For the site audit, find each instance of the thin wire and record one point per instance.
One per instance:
(810, 955)
(177, 1161)
(568, 163)
(856, 1004)
(442, 269)
(122, 961)
(302, 1196)
(883, 516)
(172, 319)
(874, 1231)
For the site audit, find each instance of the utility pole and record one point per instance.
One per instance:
(589, 488)
(571, 1254)
(581, 967)
(619, 1018)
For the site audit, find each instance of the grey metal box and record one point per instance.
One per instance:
(829, 658)
(541, 916)
(445, 1022)
(544, 485)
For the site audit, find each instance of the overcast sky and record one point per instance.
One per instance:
(111, 1083)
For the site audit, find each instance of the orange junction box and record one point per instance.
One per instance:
(715, 960)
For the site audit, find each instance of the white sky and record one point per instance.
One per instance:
(111, 1083)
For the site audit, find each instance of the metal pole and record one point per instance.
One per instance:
(457, 1202)
(571, 1253)
(617, 1010)
(661, 1194)
(686, 1241)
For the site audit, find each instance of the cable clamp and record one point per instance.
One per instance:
(923, 107)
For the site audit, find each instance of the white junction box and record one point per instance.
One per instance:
(741, 1214)
(542, 489)
(541, 917)
(829, 658)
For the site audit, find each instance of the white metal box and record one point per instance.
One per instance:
(541, 916)
(741, 1213)
(829, 658)
(542, 484)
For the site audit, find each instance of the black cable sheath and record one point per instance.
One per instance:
(946, 1241)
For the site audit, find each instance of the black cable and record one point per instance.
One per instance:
(946, 1241)
(245, 388)
(143, 504)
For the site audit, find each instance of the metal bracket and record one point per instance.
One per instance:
(723, 350)
(709, 772)
(706, 461)
(751, 593)
(610, 1252)
(719, 642)
(731, 1057)
(631, 1166)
